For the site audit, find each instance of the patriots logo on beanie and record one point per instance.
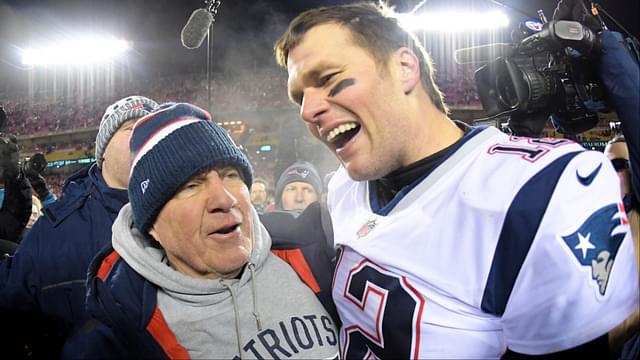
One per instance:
(169, 147)
(302, 171)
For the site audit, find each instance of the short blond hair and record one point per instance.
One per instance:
(375, 28)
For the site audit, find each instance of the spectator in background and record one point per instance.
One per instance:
(300, 229)
(259, 195)
(298, 186)
(45, 280)
(190, 274)
(616, 151)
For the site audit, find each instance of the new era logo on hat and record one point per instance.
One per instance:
(144, 185)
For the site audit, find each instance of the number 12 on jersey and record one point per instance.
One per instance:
(388, 325)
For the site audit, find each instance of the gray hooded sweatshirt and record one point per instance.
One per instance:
(267, 313)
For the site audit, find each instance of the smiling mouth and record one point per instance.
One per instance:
(339, 136)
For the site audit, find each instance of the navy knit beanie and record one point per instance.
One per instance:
(169, 147)
(301, 171)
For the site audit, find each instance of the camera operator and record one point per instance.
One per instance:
(16, 205)
(33, 169)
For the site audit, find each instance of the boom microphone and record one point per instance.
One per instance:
(483, 54)
(196, 29)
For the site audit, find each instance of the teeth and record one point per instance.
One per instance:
(339, 130)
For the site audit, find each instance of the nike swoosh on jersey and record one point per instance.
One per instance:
(587, 180)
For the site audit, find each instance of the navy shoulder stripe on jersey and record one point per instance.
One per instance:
(518, 231)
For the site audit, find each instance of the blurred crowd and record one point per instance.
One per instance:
(47, 113)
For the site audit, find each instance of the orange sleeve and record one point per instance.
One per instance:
(165, 337)
(296, 259)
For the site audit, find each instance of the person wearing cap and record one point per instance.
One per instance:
(190, 274)
(300, 229)
(298, 186)
(45, 280)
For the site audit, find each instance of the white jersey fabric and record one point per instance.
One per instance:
(510, 242)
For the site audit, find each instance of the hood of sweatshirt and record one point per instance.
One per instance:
(222, 318)
(143, 254)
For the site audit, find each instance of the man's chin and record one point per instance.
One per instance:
(361, 173)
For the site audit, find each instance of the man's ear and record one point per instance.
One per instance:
(153, 233)
(409, 69)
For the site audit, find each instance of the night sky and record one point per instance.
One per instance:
(243, 33)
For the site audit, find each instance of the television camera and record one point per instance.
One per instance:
(547, 71)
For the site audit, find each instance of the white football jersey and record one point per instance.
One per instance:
(510, 242)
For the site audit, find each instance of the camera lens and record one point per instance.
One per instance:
(35, 164)
(506, 91)
(38, 163)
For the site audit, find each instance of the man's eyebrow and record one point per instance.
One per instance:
(317, 69)
(197, 177)
(312, 75)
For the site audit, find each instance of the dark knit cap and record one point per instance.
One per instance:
(302, 171)
(168, 148)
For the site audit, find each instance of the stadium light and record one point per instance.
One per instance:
(454, 21)
(77, 52)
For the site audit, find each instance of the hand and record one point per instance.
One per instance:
(575, 10)
(39, 185)
(9, 155)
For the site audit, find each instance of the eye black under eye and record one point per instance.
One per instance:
(341, 86)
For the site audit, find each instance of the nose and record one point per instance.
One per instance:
(299, 196)
(219, 197)
(313, 105)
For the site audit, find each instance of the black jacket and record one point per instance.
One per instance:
(16, 209)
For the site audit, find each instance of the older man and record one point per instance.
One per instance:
(190, 273)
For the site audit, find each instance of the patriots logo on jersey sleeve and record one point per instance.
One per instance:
(597, 241)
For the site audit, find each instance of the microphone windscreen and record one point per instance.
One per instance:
(482, 54)
(194, 32)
